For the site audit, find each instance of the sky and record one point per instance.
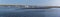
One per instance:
(31, 2)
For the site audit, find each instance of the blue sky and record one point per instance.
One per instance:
(31, 2)
(23, 1)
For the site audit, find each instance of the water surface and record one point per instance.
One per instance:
(18, 12)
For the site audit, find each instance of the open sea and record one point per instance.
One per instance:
(18, 12)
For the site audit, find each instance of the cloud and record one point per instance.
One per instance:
(54, 2)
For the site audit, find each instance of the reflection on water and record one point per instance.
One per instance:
(17, 12)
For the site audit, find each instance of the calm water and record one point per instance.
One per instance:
(17, 12)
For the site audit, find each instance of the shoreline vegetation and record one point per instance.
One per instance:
(30, 6)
